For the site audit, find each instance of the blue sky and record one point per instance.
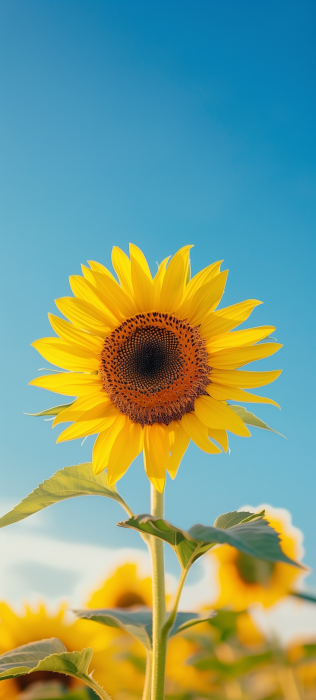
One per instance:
(161, 123)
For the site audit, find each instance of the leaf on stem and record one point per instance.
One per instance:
(54, 411)
(249, 533)
(66, 483)
(46, 655)
(138, 621)
(249, 418)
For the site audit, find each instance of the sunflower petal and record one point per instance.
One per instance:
(178, 444)
(84, 290)
(224, 320)
(202, 278)
(104, 443)
(220, 436)
(97, 267)
(226, 393)
(74, 336)
(69, 383)
(233, 358)
(243, 338)
(158, 280)
(198, 432)
(85, 316)
(215, 415)
(63, 355)
(81, 429)
(174, 281)
(244, 380)
(206, 299)
(85, 408)
(126, 447)
(156, 454)
(120, 303)
(142, 281)
(122, 267)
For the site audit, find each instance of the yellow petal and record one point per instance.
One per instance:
(142, 281)
(74, 336)
(120, 304)
(104, 443)
(178, 444)
(69, 383)
(202, 277)
(81, 409)
(157, 282)
(220, 436)
(122, 267)
(244, 380)
(85, 316)
(226, 319)
(243, 338)
(226, 393)
(206, 299)
(174, 281)
(81, 429)
(198, 432)
(97, 267)
(156, 454)
(233, 358)
(84, 290)
(214, 414)
(59, 353)
(126, 447)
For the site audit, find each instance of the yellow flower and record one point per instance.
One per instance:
(152, 362)
(111, 672)
(245, 580)
(123, 589)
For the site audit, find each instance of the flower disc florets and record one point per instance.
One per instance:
(153, 367)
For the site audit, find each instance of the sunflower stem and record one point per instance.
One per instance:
(147, 685)
(159, 605)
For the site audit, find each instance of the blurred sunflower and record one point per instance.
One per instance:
(152, 362)
(34, 624)
(245, 580)
(125, 588)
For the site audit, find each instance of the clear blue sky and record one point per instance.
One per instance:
(161, 123)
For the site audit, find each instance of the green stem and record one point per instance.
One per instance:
(147, 685)
(159, 605)
(97, 689)
(170, 621)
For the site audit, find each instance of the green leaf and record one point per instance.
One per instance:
(254, 536)
(138, 621)
(54, 411)
(66, 483)
(234, 669)
(46, 655)
(49, 655)
(250, 419)
(227, 520)
(309, 597)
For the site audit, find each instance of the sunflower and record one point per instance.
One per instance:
(125, 588)
(33, 624)
(152, 362)
(245, 580)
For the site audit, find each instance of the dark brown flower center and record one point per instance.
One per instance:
(44, 677)
(128, 599)
(153, 367)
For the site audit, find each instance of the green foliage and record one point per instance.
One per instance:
(234, 669)
(250, 419)
(66, 483)
(251, 535)
(54, 411)
(46, 655)
(138, 621)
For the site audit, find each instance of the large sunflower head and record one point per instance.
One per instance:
(245, 580)
(125, 588)
(152, 362)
